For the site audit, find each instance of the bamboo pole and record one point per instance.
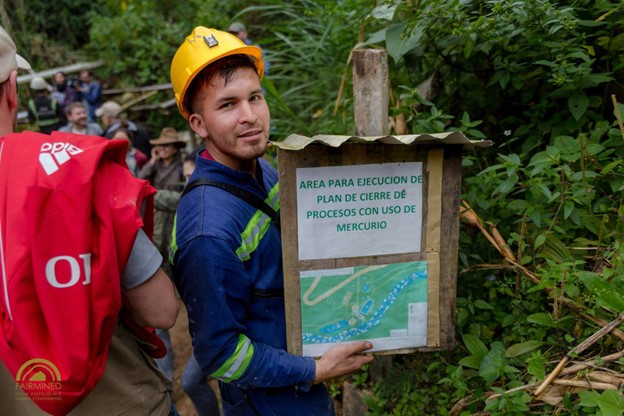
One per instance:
(616, 109)
(468, 214)
(591, 363)
(585, 384)
(577, 350)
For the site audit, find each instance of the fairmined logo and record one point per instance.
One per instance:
(41, 378)
(53, 155)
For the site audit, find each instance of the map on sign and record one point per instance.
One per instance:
(385, 304)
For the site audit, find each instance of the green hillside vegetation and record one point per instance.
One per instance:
(542, 79)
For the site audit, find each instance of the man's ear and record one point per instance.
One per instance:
(197, 125)
(11, 90)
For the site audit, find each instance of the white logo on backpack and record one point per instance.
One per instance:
(53, 155)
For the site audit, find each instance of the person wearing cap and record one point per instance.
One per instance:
(44, 111)
(130, 384)
(226, 249)
(108, 113)
(240, 31)
(110, 117)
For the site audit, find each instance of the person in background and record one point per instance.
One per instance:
(110, 117)
(164, 170)
(240, 31)
(43, 110)
(131, 383)
(108, 114)
(91, 93)
(226, 250)
(135, 159)
(78, 123)
(64, 90)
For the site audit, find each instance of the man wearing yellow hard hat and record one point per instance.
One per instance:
(226, 246)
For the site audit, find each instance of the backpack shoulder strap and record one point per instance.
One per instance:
(33, 109)
(243, 194)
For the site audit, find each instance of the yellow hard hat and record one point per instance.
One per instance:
(201, 48)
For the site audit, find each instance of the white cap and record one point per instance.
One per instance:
(236, 27)
(110, 108)
(38, 83)
(9, 59)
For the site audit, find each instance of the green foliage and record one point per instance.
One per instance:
(535, 79)
(308, 44)
(138, 38)
(536, 70)
(49, 34)
(408, 390)
(607, 403)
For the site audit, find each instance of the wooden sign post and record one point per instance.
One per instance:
(370, 233)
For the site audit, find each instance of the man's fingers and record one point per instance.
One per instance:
(361, 346)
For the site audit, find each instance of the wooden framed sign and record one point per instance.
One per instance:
(370, 240)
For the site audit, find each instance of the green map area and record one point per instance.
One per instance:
(359, 303)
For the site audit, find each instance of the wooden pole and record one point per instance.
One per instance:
(67, 69)
(370, 92)
(371, 101)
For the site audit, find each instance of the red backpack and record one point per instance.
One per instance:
(69, 212)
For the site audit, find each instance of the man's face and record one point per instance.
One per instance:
(233, 119)
(242, 35)
(78, 117)
(59, 78)
(85, 77)
(107, 120)
(166, 151)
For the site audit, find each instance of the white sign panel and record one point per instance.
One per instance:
(359, 210)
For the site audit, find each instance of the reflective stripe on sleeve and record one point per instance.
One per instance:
(235, 366)
(173, 244)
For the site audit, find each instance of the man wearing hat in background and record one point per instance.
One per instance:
(43, 110)
(165, 171)
(130, 383)
(110, 117)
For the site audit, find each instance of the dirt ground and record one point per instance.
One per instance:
(181, 345)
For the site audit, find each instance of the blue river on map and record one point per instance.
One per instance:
(309, 338)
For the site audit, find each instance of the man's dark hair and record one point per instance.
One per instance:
(125, 128)
(224, 68)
